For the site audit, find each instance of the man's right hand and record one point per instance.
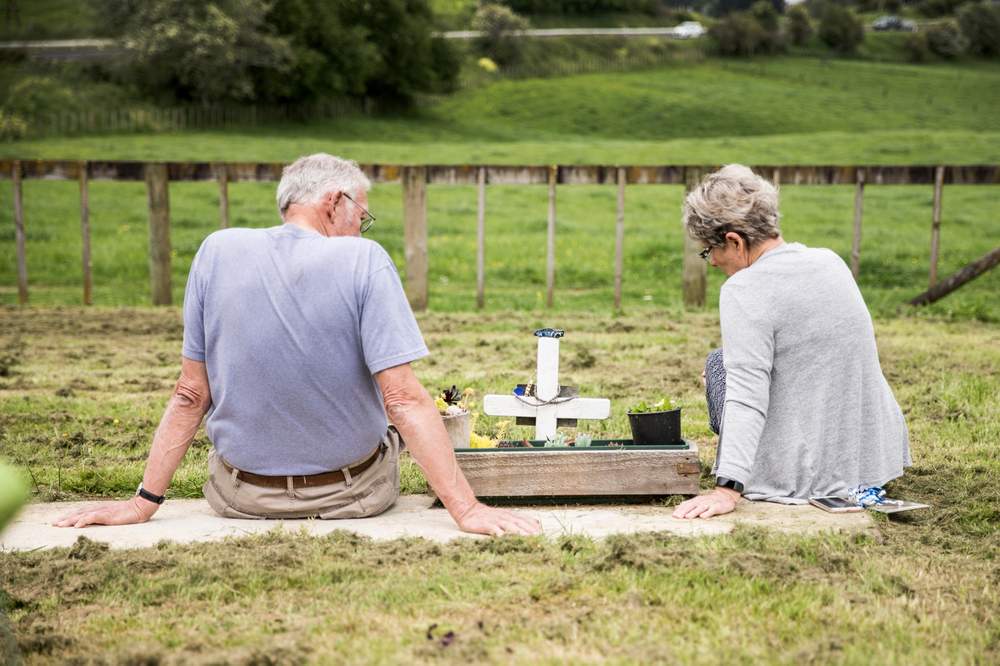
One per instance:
(127, 512)
(482, 519)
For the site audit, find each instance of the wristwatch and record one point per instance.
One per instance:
(146, 495)
(723, 482)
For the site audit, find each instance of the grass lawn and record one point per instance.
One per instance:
(894, 266)
(81, 392)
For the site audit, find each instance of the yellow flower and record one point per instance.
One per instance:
(480, 442)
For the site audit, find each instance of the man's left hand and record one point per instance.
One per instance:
(715, 503)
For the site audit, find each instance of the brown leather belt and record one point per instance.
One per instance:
(304, 481)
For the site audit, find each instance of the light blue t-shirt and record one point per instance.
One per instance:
(292, 326)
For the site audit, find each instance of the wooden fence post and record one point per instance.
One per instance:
(936, 223)
(415, 234)
(159, 233)
(971, 271)
(85, 232)
(22, 259)
(481, 238)
(619, 238)
(222, 174)
(550, 253)
(695, 268)
(859, 194)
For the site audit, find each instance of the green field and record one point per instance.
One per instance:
(81, 392)
(778, 110)
(791, 110)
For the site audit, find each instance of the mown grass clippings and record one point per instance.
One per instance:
(643, 595)
(923, 590)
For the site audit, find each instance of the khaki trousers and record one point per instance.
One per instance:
(366, 494)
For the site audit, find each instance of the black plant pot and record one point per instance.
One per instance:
(656, 427)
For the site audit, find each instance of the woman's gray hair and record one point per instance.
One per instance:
(308, 178)
(736, 199)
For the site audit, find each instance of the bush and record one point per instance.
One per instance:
(916, 47)
(980, 24)
(727, 7)
(935, 8)
(738, 34)
(497, 23)
(12, 126)
(945, 39)
(582, 7)
(766, 15)
(35, 96)
(840, 29)
(202, 52)
(800, 27)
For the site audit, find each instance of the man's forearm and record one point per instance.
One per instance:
(421, 427)
(178, 426)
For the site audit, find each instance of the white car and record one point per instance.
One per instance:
(689, 30)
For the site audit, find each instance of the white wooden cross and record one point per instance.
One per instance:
(545, 406)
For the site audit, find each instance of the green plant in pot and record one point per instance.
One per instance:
(453, 405)
(655, 423)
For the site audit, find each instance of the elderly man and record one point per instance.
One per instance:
(298, 341)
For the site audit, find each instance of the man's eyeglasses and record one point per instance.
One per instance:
(367, 219)
(704, 253)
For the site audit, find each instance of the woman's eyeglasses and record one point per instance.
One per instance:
(367, 219)
(704, 253)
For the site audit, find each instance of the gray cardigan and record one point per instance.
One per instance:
(808, 411)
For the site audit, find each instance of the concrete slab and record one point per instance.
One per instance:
(186, 521)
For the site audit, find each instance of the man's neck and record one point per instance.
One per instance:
(305, 221)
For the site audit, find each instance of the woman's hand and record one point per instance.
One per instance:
(715, 503)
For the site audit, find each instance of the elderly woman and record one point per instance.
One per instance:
(796, 393)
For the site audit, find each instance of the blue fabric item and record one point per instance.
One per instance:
(292, 326)
(715, 389)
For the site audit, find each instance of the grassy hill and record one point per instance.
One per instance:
(793, 110)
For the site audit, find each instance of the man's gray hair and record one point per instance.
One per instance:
(736, 199)
(309, 178)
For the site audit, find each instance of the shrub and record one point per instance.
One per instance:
(738, 34)
(726, 7)
(497, 23)
(840, 29)
(935, 8)
(980, 24)
(202, 52)
(12, 126)
(35, 96)
(916, 47)
(945, 39)
(582, 6)
(800, 27)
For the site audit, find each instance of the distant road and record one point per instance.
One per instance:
(88, 49)
(573, 32)
(66, 49)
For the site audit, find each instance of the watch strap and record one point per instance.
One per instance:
(732, 484)
(146, 495)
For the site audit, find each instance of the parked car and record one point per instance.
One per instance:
(893, 23)
(689, 30)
